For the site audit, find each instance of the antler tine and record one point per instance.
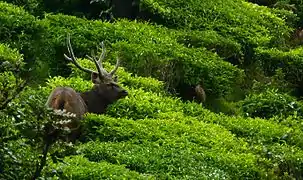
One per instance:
(102, 56)
(93, 58)
(73, 59)
(116, 67)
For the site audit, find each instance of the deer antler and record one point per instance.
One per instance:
(102, 73)
(73, 59)
(99, 61)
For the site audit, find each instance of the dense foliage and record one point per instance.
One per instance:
(242, 55)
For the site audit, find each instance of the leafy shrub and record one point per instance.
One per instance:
(10, 59)
(246, 22)
(174, 148)
(139, 104)
(34, 7)
(16, 156)
(153, 145)
(142, 104)
(72, 7)
(208, 145)
(145, 50)
(24, 132)
(11, 63)
(270, 103)
(258, 130)
(21, 30)
(287, 161)
(21, 125)
(8, 86)
(81, 168)
(177, 66)
(290, 5)
(289, 61)
(224, 47)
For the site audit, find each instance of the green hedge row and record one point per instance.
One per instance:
(10, 59)
(161, 146)
(170, 148)
(16, 154)
(151, 133)
(291, 63)
(248, 23)
(142, 104)
(34, 7)
(72, 7)
(140, 45)
(23, 31)
(11, 63)
(79, 167)
(225, 47)
(270, 103)
(145, 50)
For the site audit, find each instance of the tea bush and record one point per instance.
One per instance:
(140, 104)
(168, 134)
(23, 31)
(11, 63)
(259, 130)
(74, 7)
(80, 167)
(16, 156)
(19, 136)
(182, 65)
(225, 47)
(10, 59)
(270, 103)
(246, 22)
(145, 50)
(134, 135)
(157, 146)
(24, 123)
(289, 61)
(34, 7)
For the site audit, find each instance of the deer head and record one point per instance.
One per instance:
(106, 89)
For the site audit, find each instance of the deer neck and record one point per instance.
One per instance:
(95, 103)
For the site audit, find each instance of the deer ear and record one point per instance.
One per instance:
(95, 78)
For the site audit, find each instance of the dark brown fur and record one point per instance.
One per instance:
(200, 93)
(101, 96)
(104, 92)
(297, 36)
(95, 100)
(68, 99)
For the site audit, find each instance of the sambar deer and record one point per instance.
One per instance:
(104, 92)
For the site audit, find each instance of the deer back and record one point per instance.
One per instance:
(66, 98)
